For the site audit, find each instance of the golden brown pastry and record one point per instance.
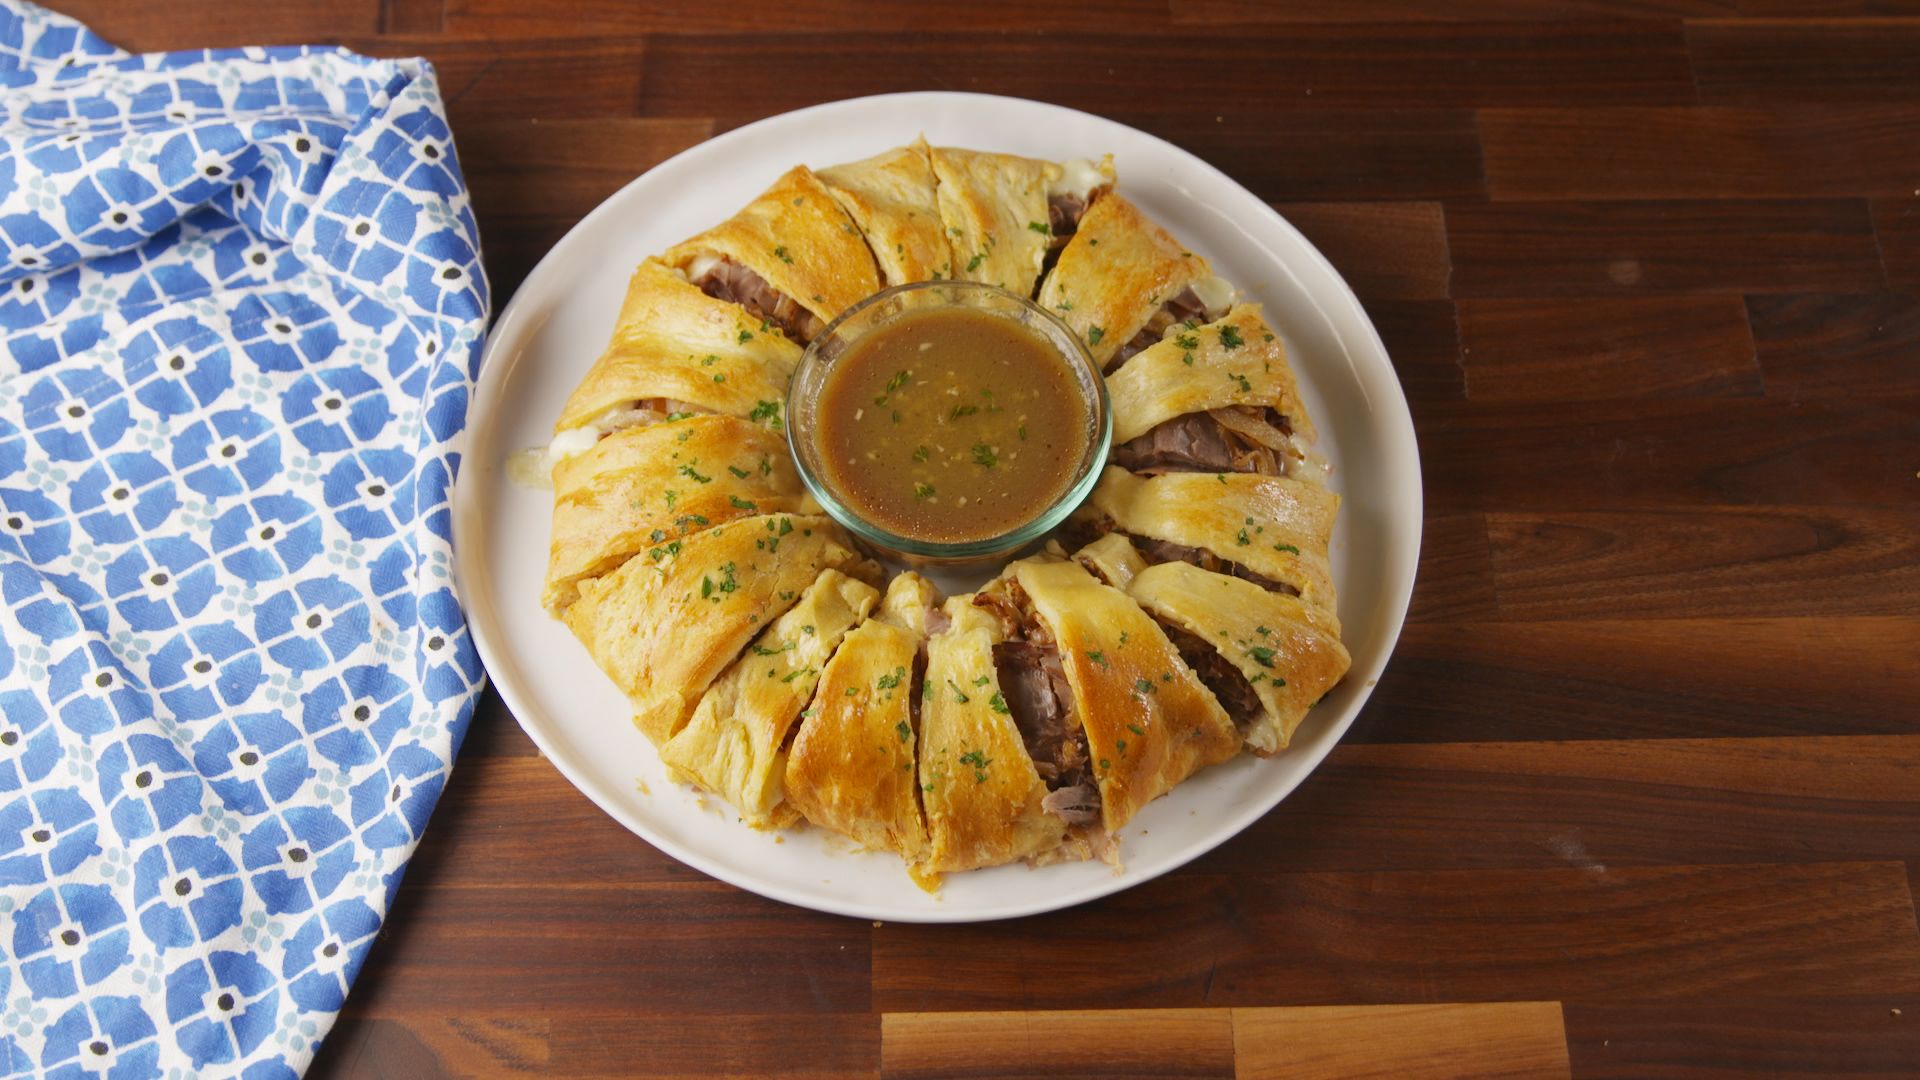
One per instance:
(1270, 526)
(981, 793)
(645, 489)
(734, 744)
(1236, 362)
(891, 197)
(852, 768)
(1118, 272)
(1284, 654)
(664, 628)
(999, 210)
(1149, 722)
(676, 349)
(793, 257)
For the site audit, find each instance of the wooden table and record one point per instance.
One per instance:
(1639, 794)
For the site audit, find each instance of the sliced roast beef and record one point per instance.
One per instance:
(1160, 551)
(736, 283)
(1197, 442)
(1075, 805)
(1235, 693)
(1185, 307)
(1034, 690)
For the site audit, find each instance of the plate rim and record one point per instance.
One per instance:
(465, 502)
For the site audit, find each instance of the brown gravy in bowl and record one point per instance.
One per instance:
(951, 424)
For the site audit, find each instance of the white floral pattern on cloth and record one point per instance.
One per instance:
(241, 306)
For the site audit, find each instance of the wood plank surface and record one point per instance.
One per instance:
(1638, 795)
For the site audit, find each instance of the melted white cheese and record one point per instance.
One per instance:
(1215, 294)
(701, 264)
(1079, 178)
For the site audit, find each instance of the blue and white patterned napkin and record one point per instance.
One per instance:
(241, 308)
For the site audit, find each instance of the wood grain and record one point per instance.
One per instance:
(1619, 348)
(1644, 933)
(1405, 1042)
(1423, 342)
(1170, 1043)
(587, 18)
(1754, 563)
(1696, 152)
(1386, 251)
(1679, 454)
(211, 24)
(1609, 248)
(1823, 345)
(1648, 679)
(552, 79)
(1229, 12)
(1732, 1040)
(1806, 60)
(1306, 67)
(1896, 224)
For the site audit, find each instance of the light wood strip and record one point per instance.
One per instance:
(1135, 1044)
(1401, 1042)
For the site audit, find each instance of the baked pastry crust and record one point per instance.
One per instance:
(734, 743)
(1234, 361)
(664, 629)
(1114, 274)
(798, 239)
(891, 197)
(1034, 718)
(854, 763)
(674, 342)
(1277, 527)
(990, 205)
(980, 790)
(1288, 650)
(645, 489)
(1149, 722)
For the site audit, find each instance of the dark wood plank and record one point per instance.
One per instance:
(1362, 938)
(1339, 155)
(1701, 152)
(216, 24)
(1455, 579)
(1638, 347)
(518, 168)
(1609, 248)
(1601, 806)
(1734, 1040)
(1408, 1042)
(1597, 678)
(561, 79)
(1896, 222)
(1677, 452)
(1731, 563)
(1170, 1043)
(1235, 12)
(1423, 342)
(1800, 60)
(1311, 67)
(494, 732)
(1837, 346)
(1385, 251)
(412, 16)
(622, 1037)
(696, 948)
(512, 19)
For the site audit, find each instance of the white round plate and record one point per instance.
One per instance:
(560, 319)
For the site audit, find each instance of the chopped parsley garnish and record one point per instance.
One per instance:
(739, 472)
(1098, 657)
(899, 380)
(1288, 548)
(1245, 386)
(998, 704)
(689, 471)
(1143, 687)
(742, 504)
(963, 410)
(888, 682)
(672, 416)
(922, 490)
(905, 731)
(788, 647)
(781, 253)
(959, 695)
(979, 761)
(1262, 655)
(766, 410)
(1040, 227)
(1023, 432)
(672, 497)
(974, 263)
(1242, 537)
(921, 453)
(1095, 333)
(786, 526)
(1136, 729)
(982, 680)
(984, 456)
(745, 336)
(1230, 337)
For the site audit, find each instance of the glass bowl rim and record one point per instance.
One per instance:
(1091, 463)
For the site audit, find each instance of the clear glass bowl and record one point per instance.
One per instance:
(803, 396)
